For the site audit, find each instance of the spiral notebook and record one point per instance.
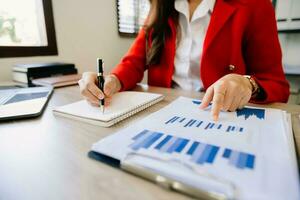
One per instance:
(123, 105)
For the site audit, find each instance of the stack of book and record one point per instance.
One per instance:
(31, 73)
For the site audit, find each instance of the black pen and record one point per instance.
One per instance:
(100, 78)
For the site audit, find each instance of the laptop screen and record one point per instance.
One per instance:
(26, 96)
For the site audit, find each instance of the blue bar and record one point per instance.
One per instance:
(208, 125)
(199, 124)
(147, 142)
(192, 148)
(242, 160)
(181, 145)
(241, 129)
(168, 145)
(227, 153)
(196, 102)
(139, 143)
(152, 139)
(198, 152)
(250, 161)
(212, 125)
(228, 129)
(205, 154)
(191, 124)
(175, 119)
(182, 120)
(171, 120)
(212, 154)
(140, 135)
(164, 141)
(219, 126)
(232, 128)
(234, 157)
(188, 123)
(175, 145)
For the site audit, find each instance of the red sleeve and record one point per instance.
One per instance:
(263, 53)
(131, 69)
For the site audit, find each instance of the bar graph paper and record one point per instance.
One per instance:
(198, 152)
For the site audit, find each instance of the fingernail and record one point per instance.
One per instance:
(201, 106)
(100, 96)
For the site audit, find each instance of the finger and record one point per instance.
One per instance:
(217, 105)
(207, 97)
(228, 99)
(235, 104)
(87, 94)
(109, 86)
(242, 105)
(90, 97)
(93, 104)
(95, 90)
(218, 100)
(107, 101)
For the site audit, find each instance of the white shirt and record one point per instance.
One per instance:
(189, 49)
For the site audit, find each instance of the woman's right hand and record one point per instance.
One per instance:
(90, 91)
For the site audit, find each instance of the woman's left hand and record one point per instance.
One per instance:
(229, 93)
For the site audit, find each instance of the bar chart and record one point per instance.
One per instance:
(188, 123)
(248, 112)
(197, 152)
(238, 159)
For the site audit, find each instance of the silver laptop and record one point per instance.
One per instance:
(16, 103)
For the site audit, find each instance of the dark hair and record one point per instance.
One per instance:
(158, 28)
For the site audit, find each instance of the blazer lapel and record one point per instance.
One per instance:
(221, 13)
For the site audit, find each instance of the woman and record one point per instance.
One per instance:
(229, 48)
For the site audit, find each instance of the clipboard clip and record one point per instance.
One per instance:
(136, 163)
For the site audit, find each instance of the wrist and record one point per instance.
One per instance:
(253, 85)
(117, 82)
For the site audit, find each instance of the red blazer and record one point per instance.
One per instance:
(242, 33)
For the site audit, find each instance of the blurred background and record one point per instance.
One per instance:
(85, 30)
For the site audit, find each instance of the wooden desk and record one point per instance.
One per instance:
(46, 157)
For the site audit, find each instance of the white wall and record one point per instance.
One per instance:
(85, 30)
(290, 44)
